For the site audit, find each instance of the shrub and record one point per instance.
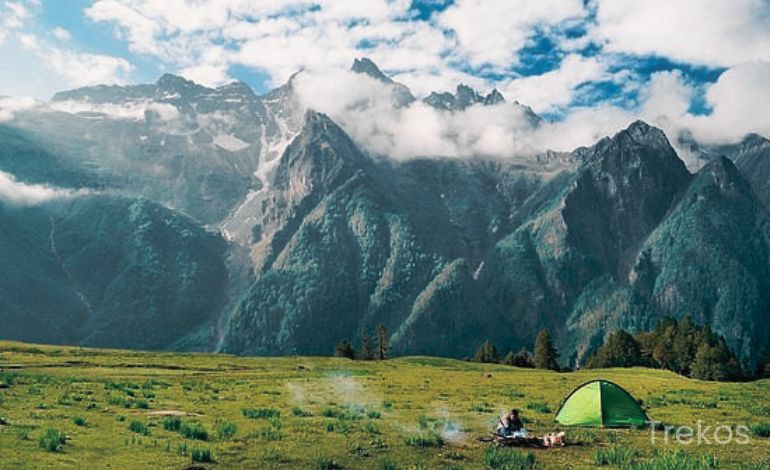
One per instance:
(498, 458)
(201, 455)
(172, 423)
(52, 440)
(615, 456)
(760, 430)
(79, 421)
(260, 413)
(299, 412)
(327, 463)
(138, 427)
(431, 439)
(372, 414)
(194, 431)
(226, 430)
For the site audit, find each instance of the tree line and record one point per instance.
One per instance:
(681, 346)
(368, 351)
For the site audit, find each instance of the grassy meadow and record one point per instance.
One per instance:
(64, 407)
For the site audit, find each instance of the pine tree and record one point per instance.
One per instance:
(367, 353)
(486, 353)
(545, 356)
(345, 349)
(620, 350)
(523, 359)
(382, 342)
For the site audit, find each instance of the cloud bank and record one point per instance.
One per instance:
(21, 194)
(364, 108)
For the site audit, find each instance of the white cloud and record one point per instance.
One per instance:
(709, 32)
(132, 110)
(11, 105)
(18, 193)
(494, 31)
(82, 69)
(739, 100)
(61, 34)
(554, 89)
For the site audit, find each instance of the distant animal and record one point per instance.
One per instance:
(486, 375)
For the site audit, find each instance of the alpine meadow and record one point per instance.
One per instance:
(386, 234)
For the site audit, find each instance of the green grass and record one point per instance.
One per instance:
(498, 458)
(615, 456)
(52, 440)
(760, 430)
(138, 427)
(202, 455)
(260, 413)
(193, 431)
(406, 413)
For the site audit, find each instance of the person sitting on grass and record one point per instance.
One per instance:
(510, 423)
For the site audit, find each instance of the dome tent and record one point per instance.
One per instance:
(601, 403)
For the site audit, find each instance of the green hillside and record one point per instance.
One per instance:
(123, 409)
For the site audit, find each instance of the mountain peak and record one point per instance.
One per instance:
(494, 97)
(237, 87)
(365, 66)
(169, 80)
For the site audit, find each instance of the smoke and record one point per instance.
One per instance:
(450, 430)
(338, 387)
(21, 194)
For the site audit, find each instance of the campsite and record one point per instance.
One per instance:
(68, 406)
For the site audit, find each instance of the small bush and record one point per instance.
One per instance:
(327, 463)
(227, 429)
(260, 413)
(498, 458)
(372, 414)
(425, 440)
(760, 430)
(202, 455)
(138, 427)
(194, 431)
(52, 440)
(299, 412)
(615, 456)
(372, 428)
(79, 421)
(539, 406)
(141, 404)
(172, 423)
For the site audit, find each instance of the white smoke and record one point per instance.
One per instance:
(17, 193)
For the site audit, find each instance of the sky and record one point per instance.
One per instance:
(703, 65)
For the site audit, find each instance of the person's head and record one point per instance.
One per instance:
(515, 413)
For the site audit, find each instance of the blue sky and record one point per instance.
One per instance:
(558, 56)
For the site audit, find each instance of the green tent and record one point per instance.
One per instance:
(601, 403)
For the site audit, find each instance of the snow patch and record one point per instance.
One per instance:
(230, 142)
